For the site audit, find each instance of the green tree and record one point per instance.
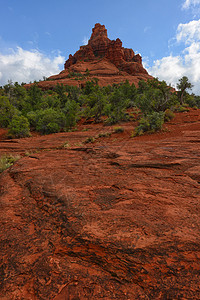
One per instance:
(9, 89)
(48, 101)
(34, 96)
(149, 100)
(129, 92)
(116, 108)
(61, 93)
(70, 111)
(142, 86)
(19, 127)
(154, 95)
(7, 111)
(73, 93)
(49, 120)
(89, 88)
(33, 117)
(166, 91)
(182, 86)
(95, 105)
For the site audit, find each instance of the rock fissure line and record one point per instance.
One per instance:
(82, 228)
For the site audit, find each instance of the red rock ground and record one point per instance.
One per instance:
(113, 219)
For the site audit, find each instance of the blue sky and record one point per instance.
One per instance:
(36, 37)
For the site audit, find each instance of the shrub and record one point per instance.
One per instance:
(66, 145)
(192, 101)
(150, 123)
(95, 105)
(104, 134)
(118, 129)
(19, 127)
(89, 87)
(32, 117)
(181, 108)
(90, 140)
(34, 96)
(7, 161)
(154, 96)
(70, 110)
(85, 129)
(51, 127)
(49, 121)
(169, 115)
(116, 108)
(197, 101)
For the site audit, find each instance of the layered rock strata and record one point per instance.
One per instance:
(101, 58)
(100, 46)
(114, 219)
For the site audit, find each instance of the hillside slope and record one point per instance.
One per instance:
(113, 219)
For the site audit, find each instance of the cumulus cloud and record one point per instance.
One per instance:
(168, 68)
(24, 66)
(171, 68)
(188, 32)
(188, 3)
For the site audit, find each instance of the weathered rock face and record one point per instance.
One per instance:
(104, 59)
(100, 46)
(116, 219)
(99, 40)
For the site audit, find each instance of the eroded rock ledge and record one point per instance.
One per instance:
(100, 46)
(117, 219)
(103, 59)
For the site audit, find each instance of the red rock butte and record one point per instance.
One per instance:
(101, 58)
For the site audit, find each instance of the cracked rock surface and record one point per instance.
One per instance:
(113, 219)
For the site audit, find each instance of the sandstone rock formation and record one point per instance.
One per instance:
(102, 58)
(100, 46)
(115, 219)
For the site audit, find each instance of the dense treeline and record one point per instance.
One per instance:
(60, 109)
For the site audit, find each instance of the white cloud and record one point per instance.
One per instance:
(171, 68)
(24, 66)
(168, 68)
(85, 40)
(188, 32)
(188, 3)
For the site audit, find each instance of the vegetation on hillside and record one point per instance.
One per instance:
(6, 161)
(24, 110)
